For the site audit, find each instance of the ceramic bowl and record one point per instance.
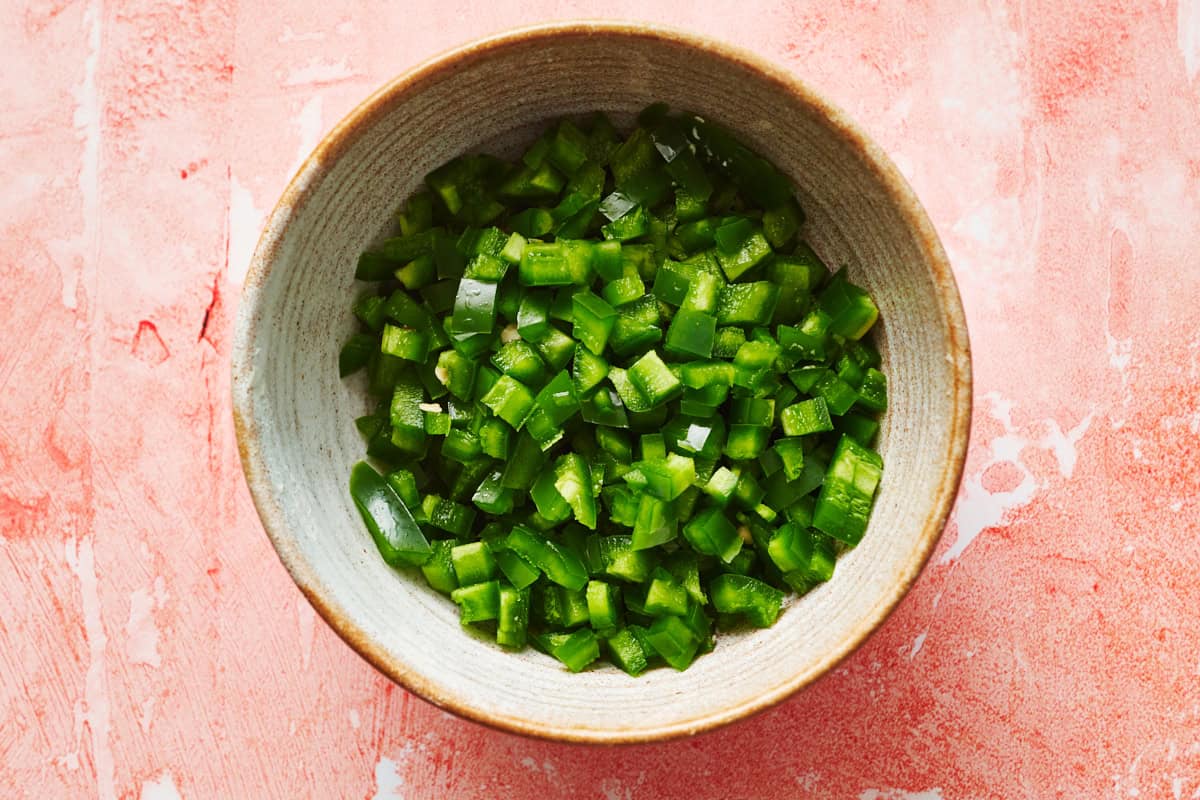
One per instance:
(294, 417)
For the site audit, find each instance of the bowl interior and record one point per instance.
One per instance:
(295, 417)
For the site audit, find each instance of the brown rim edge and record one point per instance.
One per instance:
(339, 138)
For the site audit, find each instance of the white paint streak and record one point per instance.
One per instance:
(246, 217)
(389, 784)
(355, 720)
(1120, 353)
(245, 221)
(141, 633)
(1064, 446)
(161, 789)
(289, 35)
(979, 509)
(1188, 35)
(613, 790)
(308, 129)
(900, 794)
(319, 72)
(918, 643)
(81, 560)
(305, 617)
(86, 120)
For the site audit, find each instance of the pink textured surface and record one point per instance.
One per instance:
(151, 645)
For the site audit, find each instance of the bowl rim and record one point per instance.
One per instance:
(263, 492)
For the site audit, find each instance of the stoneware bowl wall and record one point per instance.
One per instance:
(295, 417)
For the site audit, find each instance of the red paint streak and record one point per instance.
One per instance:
(21, 518)
(1078, 53)
(212, 307)
(148, 345)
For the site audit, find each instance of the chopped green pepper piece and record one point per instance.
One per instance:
(593, 319)
(518, 359)
(848, 491)
(474, 307)
(519, 571)
(573, 480)
(452, 517)
(477, 602)
(851, 310)
(559, 263)
(576, 650)
(654, 524)
(808, 416)
(510, 400)
(873, 393)
(388, 519)
(747, 303)
(473, 563)
(512, 617)
(674, 641)
(603, 606)
(740, 246)
(356, 353)
(559, 565)
(711, 533)
(439, 569)
(665, 596)
(626, 652)
(741, 594)
(653, 379)
(691, 333)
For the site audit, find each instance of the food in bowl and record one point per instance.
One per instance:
(620, 401)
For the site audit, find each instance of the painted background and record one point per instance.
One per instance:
(151, 645)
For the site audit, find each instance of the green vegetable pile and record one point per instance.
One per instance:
(620, 401)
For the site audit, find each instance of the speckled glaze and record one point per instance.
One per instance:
(294, 417)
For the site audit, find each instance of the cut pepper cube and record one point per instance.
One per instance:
(747, 303)
(593, 320)
(653, 380)
(721, 486)
(560, 263)
(791, 548)
(510, 400)
(674, 641)
(665, 596)
(847, 494)
(655, 522)
(439, 569)
(808, 416)
(575, 650)
(711, 533)
(573, 480)
(512, 622)
(741, 594)
(691, 333)
(473, 563)
(603, 605)
(558, 563)
(477, 602)
(474, 306)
